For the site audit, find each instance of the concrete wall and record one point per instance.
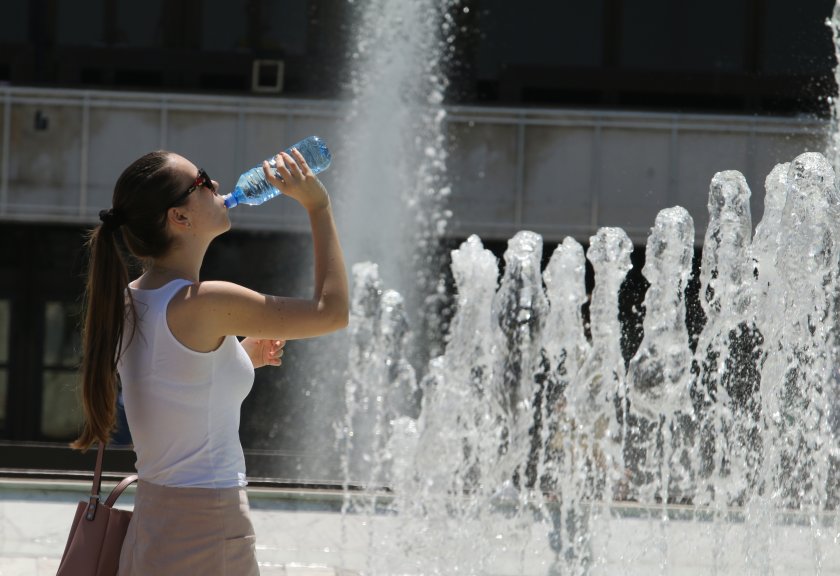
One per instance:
(557, 172)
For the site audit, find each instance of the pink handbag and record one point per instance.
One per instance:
(98, 530)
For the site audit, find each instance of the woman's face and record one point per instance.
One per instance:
(204, 208)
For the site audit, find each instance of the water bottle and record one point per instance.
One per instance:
(252, 187)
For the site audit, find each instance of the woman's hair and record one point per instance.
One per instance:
(142, 196)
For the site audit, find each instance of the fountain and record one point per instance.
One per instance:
(535, 441)
(527, 444)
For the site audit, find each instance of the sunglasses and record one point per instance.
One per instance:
(202, 180)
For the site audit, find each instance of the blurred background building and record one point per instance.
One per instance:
(562, 117)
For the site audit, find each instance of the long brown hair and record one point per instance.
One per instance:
(142, 195)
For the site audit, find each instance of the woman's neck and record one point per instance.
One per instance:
(174, 266)
(182, 261)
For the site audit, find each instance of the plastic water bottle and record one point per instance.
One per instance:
(252, 187)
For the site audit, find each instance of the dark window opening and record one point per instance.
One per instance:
(141, 78)
(5, 330)
(224, 81)
(90, 76)
(545, 95)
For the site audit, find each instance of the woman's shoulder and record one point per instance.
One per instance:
(218, 289)
(214, 295)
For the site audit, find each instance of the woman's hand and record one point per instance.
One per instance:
(264, 352)
(294, 178)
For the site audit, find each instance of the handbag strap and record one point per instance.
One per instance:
(97, 485)
(118, 489)
(97, 482)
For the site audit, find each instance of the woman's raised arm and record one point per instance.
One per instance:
(223, 308)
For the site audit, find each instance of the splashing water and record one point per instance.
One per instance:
(833, 148)
(395, 154)
(533, 440)
(536, 448)
(390, 207)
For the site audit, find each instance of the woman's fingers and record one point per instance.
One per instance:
(292, 164)
(276, 351)
(273, 175)
(286, 168)
(293, 177)
(264, 352)
(301, 161)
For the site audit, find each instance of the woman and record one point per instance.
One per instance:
(184, 373)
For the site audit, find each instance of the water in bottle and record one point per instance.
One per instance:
(252, 187)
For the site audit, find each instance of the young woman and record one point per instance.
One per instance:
(184, 373)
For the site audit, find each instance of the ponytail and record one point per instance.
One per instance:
(142, 195)
(102, 332)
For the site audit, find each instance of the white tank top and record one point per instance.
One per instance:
(183, 406)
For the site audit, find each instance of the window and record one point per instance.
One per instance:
(140, 24)
(14, 23)
(61, 413)
(286, 33)
(80, 22)
(224, 26)
(801, 48)
(703, 36)
(5, 318)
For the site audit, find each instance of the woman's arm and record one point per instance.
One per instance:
(217, 309)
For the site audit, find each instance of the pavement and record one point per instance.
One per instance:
(297, 532)
(49, 566)
(303, 533)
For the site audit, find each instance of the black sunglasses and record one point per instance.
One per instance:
(201, 180)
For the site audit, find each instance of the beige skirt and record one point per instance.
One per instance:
(177, 531)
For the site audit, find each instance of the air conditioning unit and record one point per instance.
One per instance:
(267, 76)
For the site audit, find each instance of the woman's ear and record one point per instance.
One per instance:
(178, 218)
